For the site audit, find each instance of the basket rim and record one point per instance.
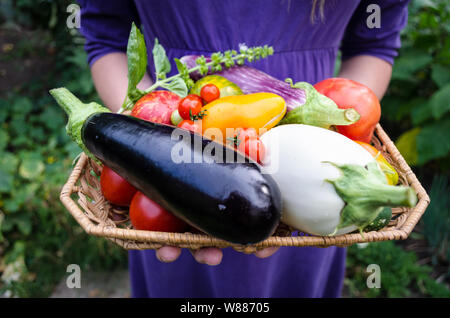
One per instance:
(130, 238)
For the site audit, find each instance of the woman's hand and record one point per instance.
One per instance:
(207, 255)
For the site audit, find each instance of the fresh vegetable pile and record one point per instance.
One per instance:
(228, 150)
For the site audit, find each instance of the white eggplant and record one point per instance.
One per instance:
(329, 184)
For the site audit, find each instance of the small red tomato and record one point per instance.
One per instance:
(253, 148)
(116, 189)
(209, 92)
(190, 106)
(145, 214)
(191, 125)
(244, 134)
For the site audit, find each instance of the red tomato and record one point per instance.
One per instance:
(253, 148)
(156, 106)
(242, 135)
(191, 125)
(350, 94)
(209, 92)
(147, 215)
(116, 189)
(190, 106)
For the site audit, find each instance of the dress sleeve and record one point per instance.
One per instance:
(106, 26)
(382, 42)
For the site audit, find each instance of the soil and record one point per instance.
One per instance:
(23, 56)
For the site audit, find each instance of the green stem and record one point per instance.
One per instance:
(78, 112)
(365, 191)
(392, 196)
(320, 115)
(318, 110)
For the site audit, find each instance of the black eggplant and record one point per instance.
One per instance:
(228, 199)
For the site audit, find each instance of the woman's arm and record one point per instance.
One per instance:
(369, 52)
(371, 71)
(109, 74)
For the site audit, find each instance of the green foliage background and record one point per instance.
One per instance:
(417, 104)
(38, 237)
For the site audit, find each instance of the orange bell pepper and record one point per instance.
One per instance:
(258, 111)
(386, 167)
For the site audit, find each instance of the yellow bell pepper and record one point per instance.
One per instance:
(259, 111)
(389, 171)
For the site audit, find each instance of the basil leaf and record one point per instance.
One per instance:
(137, 58)
(184, 73)
(181, 67)
(177, 86)
(162, 64)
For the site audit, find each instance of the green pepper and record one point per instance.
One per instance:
(226, 87)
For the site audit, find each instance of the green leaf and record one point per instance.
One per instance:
(24, 224)
(52, 118)
(440, 102)
(433, 141)
(397, 108)
(31, 168)
(19, 196)
(6, 181)
(12, 205)
(22, 105)
(162, 64)
(4, 138)
(137, 58)
(440, 74)
(418, 4)
(405, 66)
(8, 162)
(181, 67)
(16, 252)
(177, 86)
(7, 224)
(420, 111)
(407, 146)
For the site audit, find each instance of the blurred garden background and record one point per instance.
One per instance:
(39, 238)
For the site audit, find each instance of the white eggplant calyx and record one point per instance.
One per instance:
(365, 191)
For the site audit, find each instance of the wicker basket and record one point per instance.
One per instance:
(81, 195)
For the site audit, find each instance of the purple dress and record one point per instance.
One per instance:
(304, 51)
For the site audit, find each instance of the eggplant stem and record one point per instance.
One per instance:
(319, 110)
(352, 115)
(364, 191)
(78, 112)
